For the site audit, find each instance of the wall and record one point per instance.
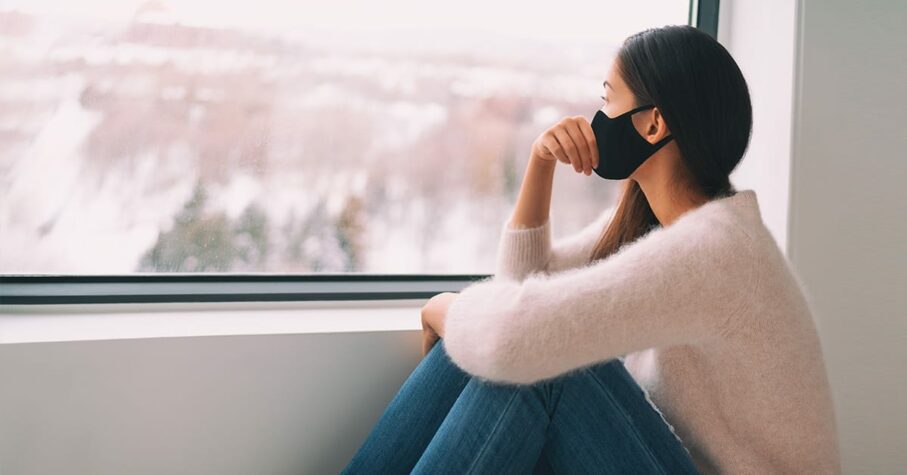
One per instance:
(847, 215)
(760, 34)
(243, 395)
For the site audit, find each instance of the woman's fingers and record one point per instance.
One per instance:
(586, 129)
(428, 340)
(570, 148)
(570, 141)
(582, 144)
(555, 148)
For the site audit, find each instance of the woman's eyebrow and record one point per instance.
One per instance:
(608, 84)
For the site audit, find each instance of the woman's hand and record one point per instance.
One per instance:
(571, 141)
(433, 314)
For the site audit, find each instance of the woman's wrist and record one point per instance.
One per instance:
(542, 163)
(534, 198)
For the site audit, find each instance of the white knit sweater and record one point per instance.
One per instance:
(706, 314)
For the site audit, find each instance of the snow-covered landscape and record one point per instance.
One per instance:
(150, 140)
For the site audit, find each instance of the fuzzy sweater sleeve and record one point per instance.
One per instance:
(683, 284)
(524, 250)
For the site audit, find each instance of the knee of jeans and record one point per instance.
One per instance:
(608, 370)
(438, 349)
(569, 381)
(438, 355)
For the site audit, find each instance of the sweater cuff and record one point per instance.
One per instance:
(523, 250)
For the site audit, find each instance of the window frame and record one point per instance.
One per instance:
(704, 14)
(224, 287)
(252, 287)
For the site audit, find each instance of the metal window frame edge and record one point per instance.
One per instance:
(704, 15)
(200, 287)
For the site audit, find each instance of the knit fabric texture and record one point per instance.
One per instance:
(706, 314)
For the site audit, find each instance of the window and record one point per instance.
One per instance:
(337, 136)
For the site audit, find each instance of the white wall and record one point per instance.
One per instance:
(760, 34)
(243, 395)
(847, 234)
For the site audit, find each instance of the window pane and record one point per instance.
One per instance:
(305, 137)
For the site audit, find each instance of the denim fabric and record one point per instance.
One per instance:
(594, 419)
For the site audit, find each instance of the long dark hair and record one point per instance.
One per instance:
(705, 102)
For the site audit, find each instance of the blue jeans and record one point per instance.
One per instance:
(591, 420)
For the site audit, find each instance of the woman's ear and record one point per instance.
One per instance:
(658, 128)
(651, 125)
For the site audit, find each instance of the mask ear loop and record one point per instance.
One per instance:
(662, 143)
(641, 108)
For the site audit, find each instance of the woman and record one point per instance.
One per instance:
(668, 336)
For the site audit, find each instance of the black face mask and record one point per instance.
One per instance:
(621, 149)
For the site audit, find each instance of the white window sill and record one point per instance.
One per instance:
(55, 323)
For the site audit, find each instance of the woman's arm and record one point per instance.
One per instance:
(526, 237)
(684, 284)
(522, 251)
(534, 198)
(525, 244)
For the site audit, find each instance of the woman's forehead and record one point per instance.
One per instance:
(613, 79)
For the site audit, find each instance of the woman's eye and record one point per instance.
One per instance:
(604, 98)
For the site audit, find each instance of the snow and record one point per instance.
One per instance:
(81, 193)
